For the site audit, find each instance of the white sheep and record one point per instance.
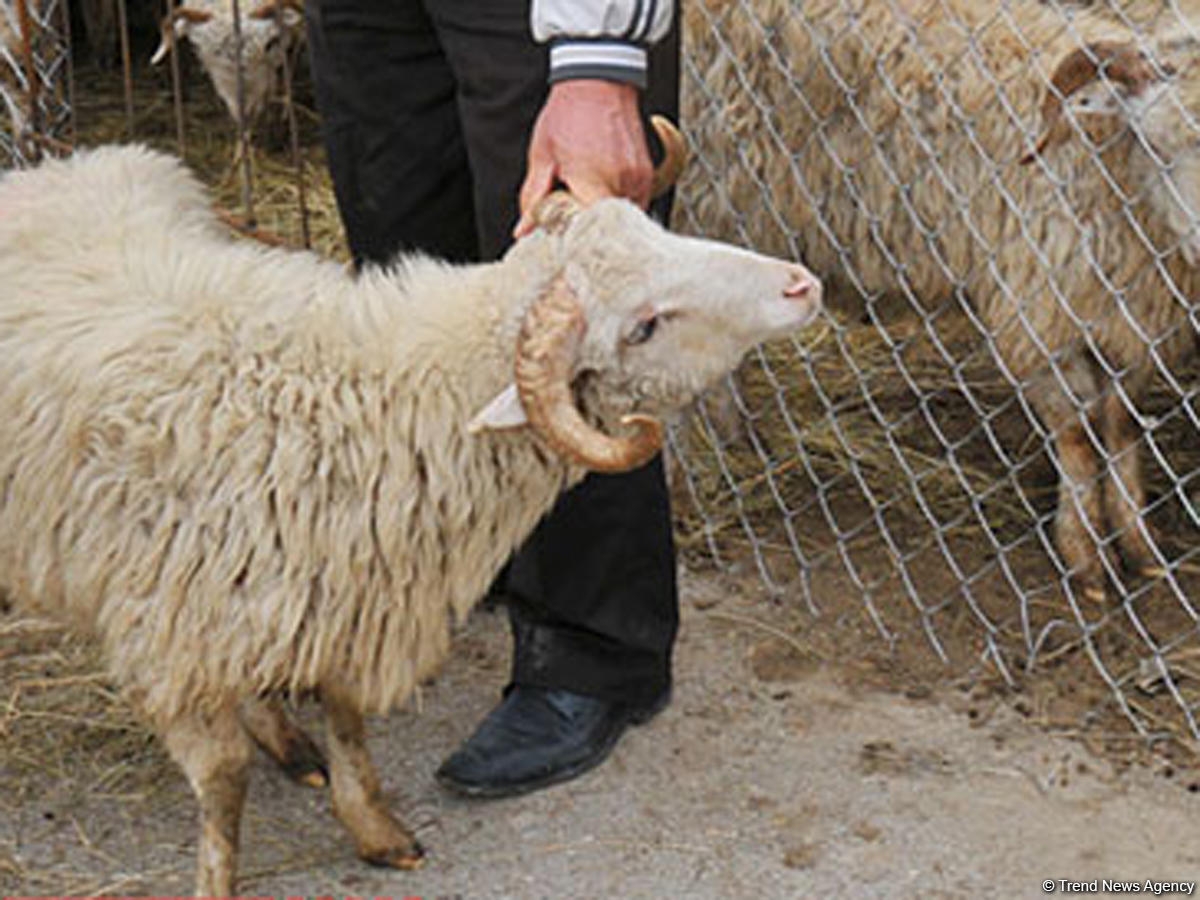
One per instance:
(270, 30)
(246, 472)
(887, 138)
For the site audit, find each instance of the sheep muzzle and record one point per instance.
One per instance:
(546, 350)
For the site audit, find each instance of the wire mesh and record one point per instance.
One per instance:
(35, 82)
(992, 434)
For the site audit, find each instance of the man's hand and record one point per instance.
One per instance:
(589, 137)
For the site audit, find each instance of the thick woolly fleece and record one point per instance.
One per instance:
(905, 123)
(246, 471)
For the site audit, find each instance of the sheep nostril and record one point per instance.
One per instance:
(803, 286)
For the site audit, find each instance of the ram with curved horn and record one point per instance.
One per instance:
(549, 339)
(246, 472)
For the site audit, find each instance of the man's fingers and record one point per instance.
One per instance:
(588, 190)
(638, 187)
(589, 137)
(538, 182)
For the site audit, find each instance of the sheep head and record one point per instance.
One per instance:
(635, 323)
(1101, 79)
(269, 30)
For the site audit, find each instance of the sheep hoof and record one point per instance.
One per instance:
(304, 764)
(409, 857)
(314, 778)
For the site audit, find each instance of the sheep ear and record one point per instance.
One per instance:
(504, 411)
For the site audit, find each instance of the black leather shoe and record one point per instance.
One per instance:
(537, 737)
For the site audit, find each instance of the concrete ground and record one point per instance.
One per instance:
(770, 776)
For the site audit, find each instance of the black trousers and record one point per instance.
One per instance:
(427, 108)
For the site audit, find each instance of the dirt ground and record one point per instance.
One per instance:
(772, 774)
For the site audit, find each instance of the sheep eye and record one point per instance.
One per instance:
(643, 331)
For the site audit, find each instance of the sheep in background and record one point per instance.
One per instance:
(271, 30)
(887, 137)
(247, 472)
(1140, 14)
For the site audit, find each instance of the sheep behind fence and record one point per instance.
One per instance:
(883, 142)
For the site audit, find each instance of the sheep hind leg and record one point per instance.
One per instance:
(1064, 397)
(1125, 493)
(214, 753)
(1077, 527)
(357, 802)
(278, 735)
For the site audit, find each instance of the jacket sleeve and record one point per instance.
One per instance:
(600, 38)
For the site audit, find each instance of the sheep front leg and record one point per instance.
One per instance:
(215, 754)
(1125, 493)
(357, 802)
(284, 741)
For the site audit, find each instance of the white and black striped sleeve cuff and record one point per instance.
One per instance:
(638, 22)
(609, 60)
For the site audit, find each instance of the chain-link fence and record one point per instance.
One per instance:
(992, 437)
(35, 78)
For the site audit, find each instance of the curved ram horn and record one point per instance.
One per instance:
(546, 351)
(675, 155)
